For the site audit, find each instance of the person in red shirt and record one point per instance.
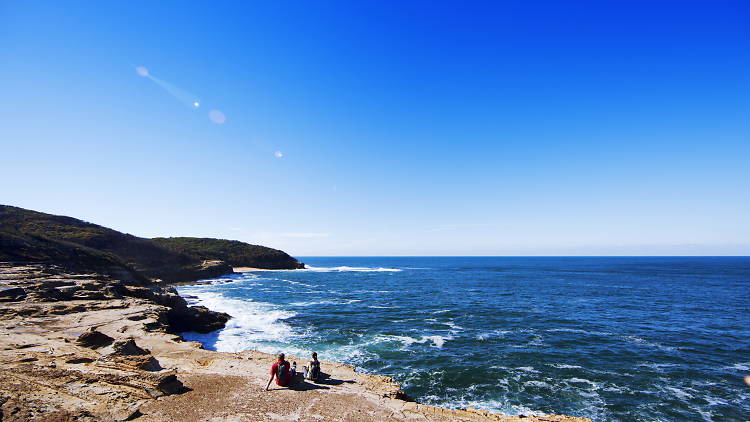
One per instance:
(282, 371)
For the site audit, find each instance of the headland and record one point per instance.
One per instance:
(88, 333)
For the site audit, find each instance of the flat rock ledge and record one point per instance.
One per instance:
(85, 347)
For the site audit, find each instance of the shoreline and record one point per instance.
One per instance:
(99, 355)
(398, 392)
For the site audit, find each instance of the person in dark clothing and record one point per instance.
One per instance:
(312, 372)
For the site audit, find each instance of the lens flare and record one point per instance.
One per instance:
(196, 104)
(217, 117)
(278, 154)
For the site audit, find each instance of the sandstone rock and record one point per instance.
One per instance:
(68, 290)
(51, 283)
(139, 292)
(79, 360)
(50, 294)
(94, 339)
(145, 363)
(196, 318)
(12, 294)
(89, 295)
(170, 300)
(149, 363)
(127, 413)
(167, 385)
(128, 348)
(137, 317)
(64, 310)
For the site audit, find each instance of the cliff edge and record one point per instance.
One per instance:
(88, 347)
(28, 236)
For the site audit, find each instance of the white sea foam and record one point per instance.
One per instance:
(435, 341)
(742, 366)
(630, 339)
(635, 339)
(381, 307)
(565, 366)
(326, 302)
(575, 380)
(679, 393)
(657, 366)
(345, 268)
(252, 326)
(298, 283)
(715, 401)
(375, 291)
(580, 331)
(501, 406)
(491, 334)
(536, 383)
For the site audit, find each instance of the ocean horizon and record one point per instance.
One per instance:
(610, 338)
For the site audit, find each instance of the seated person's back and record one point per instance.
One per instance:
(312, 372)
(282, 371)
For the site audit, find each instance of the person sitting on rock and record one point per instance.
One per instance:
(283, 372)
(312, 372)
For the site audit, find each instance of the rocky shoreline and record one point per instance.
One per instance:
(94, 347)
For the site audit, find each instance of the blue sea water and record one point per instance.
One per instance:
(612, 339)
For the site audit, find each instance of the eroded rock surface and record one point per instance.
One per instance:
(86, 347)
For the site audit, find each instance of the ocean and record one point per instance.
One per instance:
(609, 338)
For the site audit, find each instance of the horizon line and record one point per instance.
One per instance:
(523, 256)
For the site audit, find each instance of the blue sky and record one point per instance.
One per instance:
(427, 128)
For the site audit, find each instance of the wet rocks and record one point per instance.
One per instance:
(196, 318)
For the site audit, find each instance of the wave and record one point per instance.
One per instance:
(435, 340)
(742, 366)
(582, 381)
(580, 331)
(375, 291)
(565, 366)
(493, 333)
(501, 406)
(252, 326)
(537, 383)
(627, 338)
(297, 283)
(326, 302)
(638, 340)
(455, 328)
(345, 268)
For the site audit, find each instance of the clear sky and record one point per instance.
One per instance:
(388, 128)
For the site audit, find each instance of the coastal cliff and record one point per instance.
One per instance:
(90, 332)
(34, 237)
(90, 347)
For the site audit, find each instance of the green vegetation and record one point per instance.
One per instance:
(233, 252)
(31, 236)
